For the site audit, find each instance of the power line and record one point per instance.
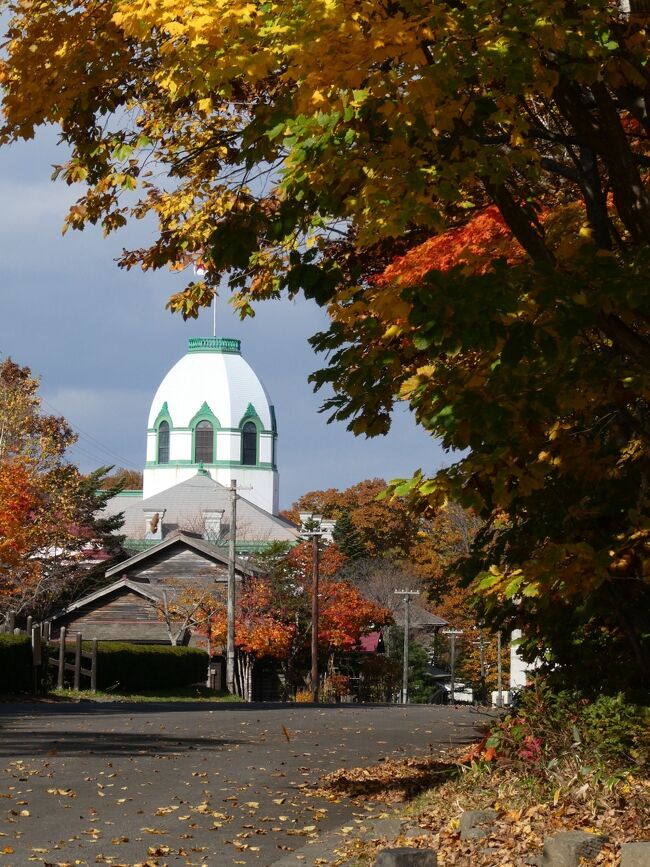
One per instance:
(77, 450)
(89, 436)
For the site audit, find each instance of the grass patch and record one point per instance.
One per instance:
(179, 694)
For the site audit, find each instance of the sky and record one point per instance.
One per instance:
(101, 341)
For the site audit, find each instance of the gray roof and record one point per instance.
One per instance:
(146, 590)
(214, 552)
(421, 618)
(184, 504)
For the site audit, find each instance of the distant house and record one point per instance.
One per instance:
(125, 610)
(373, 642)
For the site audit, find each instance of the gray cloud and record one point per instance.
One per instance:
(102, 340)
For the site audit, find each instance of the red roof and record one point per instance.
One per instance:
(369, 643)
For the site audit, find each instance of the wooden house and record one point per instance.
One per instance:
(125, 609)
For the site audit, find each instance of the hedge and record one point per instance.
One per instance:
(122, 666)
(15, 663)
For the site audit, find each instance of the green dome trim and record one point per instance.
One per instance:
(204, 414)
(163, 415)
(228, 345)
(250, 414)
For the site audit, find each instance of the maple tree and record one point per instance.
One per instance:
(274, 612)
(123, 478)
(17, 506)
(184, 605)
(263, 629)
(384, 528)
(346, 615)
(50, 514)
(516, 131)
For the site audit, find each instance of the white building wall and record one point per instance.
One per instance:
(266, 448)
(180, 445)
(152, 446)
(258, 486)
(212, 377)
(228, 446)
(520, 671)
(157, 479)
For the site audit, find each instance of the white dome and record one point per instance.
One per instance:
(212, 414)
(214, 373)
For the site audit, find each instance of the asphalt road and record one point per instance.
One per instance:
(191, 784)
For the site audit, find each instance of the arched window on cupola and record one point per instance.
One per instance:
(204, 443)
(249, 444)
(163, 442)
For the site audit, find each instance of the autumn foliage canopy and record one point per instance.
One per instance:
(464, 186)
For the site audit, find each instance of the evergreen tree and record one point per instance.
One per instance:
(421, 683)
(348, 538)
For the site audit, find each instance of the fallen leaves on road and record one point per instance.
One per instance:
(391, 781)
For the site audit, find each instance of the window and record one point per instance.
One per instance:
(163, 442)
(249, 444)
(203, 443)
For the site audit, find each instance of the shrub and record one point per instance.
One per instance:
(148, 666)
(549, 731)
(614, 728)
(15, 663)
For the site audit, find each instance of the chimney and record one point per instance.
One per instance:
(153, 524)
(212, 524)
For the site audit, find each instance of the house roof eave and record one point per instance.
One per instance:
(197, 544)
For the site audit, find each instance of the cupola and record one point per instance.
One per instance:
(212, 414)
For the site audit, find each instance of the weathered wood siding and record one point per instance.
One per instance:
(178, 564)
(122, 616)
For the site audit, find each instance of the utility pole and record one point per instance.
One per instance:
(453, 634)
(313, 528)
(482, 644)
(407, 623)
(314, 616)
(499, 672)
(230, 639)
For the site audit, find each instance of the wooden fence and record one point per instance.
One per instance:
(64, 653)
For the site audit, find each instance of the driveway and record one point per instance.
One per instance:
(186, 784)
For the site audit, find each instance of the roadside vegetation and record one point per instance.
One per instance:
(180, 694)
(557, 762)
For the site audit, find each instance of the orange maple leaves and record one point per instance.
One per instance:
(346, 615)
(484, 238)
(17, 503)
(261, 627)
(267, 625)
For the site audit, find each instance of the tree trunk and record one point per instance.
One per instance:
(244, 663)
(595, 118)
(519, 223)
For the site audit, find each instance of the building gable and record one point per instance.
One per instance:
(119, 614)
(178, 564)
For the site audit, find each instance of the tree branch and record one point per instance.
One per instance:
(520, 225)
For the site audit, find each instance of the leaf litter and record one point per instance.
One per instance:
(433, 792)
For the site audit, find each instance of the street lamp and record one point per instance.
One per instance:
(453, 634)
(313, 527)
(407, 594)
